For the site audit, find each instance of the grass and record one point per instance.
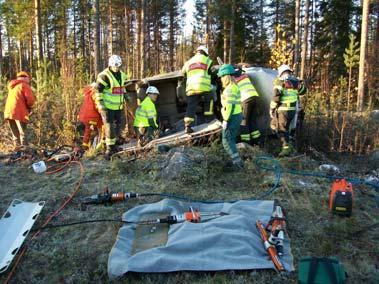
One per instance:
(79, 254)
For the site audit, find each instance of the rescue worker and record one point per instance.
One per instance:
(249, 102)
(110, 87)
(145, 122)
(197, 73)
(90, 117)
(231, 114)
(18, 106)
(287, 89)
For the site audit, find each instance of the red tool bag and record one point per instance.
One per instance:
(341, 197)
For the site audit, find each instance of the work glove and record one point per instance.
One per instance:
(224, 124)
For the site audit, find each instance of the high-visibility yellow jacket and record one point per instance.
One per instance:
(197, 72)
(230, 101)
(113, 93)
(286, 93)
(246, 87)
(146, 114)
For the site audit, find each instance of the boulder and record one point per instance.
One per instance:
(179, 160)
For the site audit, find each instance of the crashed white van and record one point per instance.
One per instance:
(171, 105)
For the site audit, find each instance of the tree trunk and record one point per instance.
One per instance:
(10, 65)
(143, 39)
(261, 25)
(226, 40)
(83, 13)
(207, 24)
(375, 61)
(110, 28)
(172, 36)
(20, 59)
(312, 50)
(304, 49)
(92, 70)
(157, 37)
(75, 26)
(37, 19)
(31, 52)
(1, 53)
(127, 35)
(139, 43)
(276, 20)
(362, 58)
(297, 37)
(232, 46)
(97, 64)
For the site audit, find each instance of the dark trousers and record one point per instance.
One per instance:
(284, 119)
(112, 126)
(192, 103)
(249, 126)
(18, 130)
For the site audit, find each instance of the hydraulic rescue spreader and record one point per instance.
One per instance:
(274, 243)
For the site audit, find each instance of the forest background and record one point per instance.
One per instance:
(332, 45)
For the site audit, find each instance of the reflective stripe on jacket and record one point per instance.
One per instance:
(88, 111)
(145, 112)
(230, 101)
(19, 102)
(113, 94)
(246, 87)
(198, 78)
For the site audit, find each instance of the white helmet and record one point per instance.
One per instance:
(203, 48)
(152, 90)
(282, 68)
(114, 61)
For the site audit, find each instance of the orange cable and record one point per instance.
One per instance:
(55, 213)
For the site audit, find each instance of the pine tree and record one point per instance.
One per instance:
(331, 37)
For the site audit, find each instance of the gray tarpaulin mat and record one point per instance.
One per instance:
(230, 242)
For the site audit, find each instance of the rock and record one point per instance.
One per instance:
(372, 181)
(163, 148)
(243, 145)
(329, 169)
(179, 160)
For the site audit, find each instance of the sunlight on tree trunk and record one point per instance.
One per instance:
(362, 60)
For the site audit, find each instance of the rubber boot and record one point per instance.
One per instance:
(286, 151)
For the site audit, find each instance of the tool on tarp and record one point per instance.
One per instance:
(277, 228)
(193, 216)
(271, 250)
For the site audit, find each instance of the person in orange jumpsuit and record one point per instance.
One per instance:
(18, 107)
(90, 117)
